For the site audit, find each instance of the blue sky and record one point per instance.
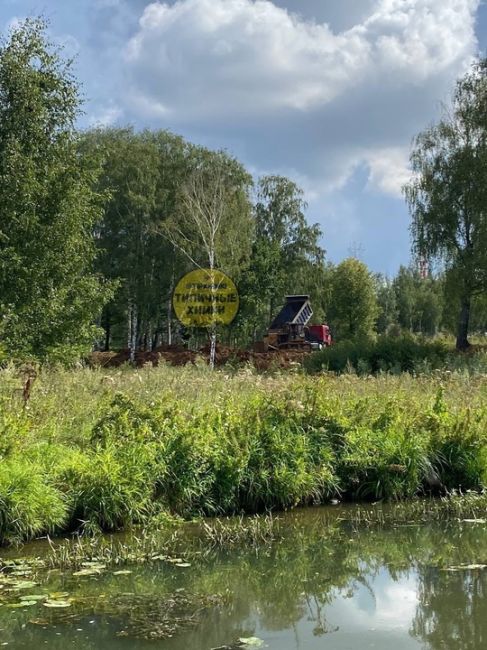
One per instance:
(327, 92)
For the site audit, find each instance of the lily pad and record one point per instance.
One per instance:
(183, 565)
(467, 567)
(88, 572)
(122, 573)
(251, 642)
(23, 584)
(57, 604)
(35, 597)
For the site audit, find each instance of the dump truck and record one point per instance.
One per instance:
(290, 329)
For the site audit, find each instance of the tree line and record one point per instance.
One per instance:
(97, 226)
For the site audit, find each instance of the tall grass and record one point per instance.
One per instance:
(96, 450)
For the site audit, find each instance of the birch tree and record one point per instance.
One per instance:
(447, 196)
(212, 226)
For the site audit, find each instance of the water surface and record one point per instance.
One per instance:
(323, 586)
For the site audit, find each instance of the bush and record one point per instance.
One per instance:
(289, 461)
(386, 354)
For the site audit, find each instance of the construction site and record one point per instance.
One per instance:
(289, 339)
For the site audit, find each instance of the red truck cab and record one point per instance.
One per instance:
(319, 334)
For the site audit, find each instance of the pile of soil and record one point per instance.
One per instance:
(177, 355)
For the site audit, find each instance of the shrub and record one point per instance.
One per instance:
(386, 354)
(231, 444)
(29, 504)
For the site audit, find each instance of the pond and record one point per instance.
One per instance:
(323, 582)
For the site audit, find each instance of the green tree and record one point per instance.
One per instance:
(49, 295)
(404, 285)
(353, 301)
(212, 226)
(286, 254)
(142, 173)
(387, 304)
(419, 301)
(447, 196)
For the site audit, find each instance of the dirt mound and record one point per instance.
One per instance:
(177, 355)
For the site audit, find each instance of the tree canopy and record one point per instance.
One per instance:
(49, 295)
(448, 193)
(97, 227)
(353, 301)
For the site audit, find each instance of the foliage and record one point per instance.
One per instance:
(101, 451)
(106, 489)
(353, 302)
(29, 505)
(419, 301)
(447, 195)
(141, 174)
(49, 295)
(385, 354)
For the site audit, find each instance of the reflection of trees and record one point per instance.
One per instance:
(297, 578)
(452, 610)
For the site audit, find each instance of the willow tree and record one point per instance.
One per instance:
(447, 195)
(49, 296)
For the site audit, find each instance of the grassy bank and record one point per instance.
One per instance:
(103, 450)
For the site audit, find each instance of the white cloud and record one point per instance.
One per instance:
(388, 169)
(106, 116)
(290, 94)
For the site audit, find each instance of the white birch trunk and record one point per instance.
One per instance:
(132, 331)
(212, 348)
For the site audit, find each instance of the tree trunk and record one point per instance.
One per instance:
(132, 330)
(129, 324)
(169, 309)
(212, 348)
(133, 346)
(107, 326)
(463, 323)
(169, 320)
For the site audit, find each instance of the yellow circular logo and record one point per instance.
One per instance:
(204, 298)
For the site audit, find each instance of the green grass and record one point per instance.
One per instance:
(97, 450)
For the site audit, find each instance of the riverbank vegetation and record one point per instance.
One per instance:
(98, 450)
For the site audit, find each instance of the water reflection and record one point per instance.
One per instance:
(453, 608)
(323, 586)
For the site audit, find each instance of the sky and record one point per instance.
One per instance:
(327, 92)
